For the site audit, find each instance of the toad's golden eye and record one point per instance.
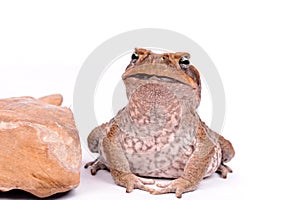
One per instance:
(184, 62)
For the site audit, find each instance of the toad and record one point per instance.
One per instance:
(159, 132)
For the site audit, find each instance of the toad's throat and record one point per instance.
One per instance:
(155, 109)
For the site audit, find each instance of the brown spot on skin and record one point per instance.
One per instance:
(113, 131)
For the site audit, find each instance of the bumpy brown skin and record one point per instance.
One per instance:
(159, 133)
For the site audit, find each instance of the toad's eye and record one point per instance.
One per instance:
(134, 57)
(184, 62)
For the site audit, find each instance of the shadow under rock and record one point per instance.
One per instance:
(20, 194)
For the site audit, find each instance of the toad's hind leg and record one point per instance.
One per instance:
(226, 149)
(227, 155)
(95, 166)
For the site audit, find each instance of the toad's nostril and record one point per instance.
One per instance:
(164, 58)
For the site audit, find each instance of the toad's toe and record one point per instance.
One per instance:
(223, 170)
(178, 186)
(95, 166)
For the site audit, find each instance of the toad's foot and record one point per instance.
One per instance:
(223, 170)
(131, 181)
(178, 186)
(96, 165)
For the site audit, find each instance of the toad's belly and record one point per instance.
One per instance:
(167, 162)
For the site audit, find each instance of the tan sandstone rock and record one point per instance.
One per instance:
(39, 146)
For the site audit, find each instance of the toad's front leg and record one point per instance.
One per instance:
(118, 164)
(194, 170)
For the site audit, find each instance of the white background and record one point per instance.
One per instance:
(255, 46)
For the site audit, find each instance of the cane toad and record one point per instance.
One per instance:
(159, 133)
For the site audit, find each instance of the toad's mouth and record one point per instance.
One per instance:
(159, 72)
(149, 76)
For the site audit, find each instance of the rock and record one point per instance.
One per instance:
(54, 99)
(39, 146)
